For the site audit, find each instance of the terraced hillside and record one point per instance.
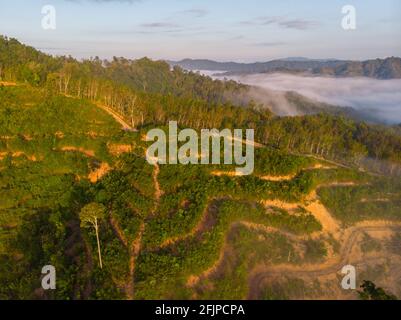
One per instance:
(173, 231)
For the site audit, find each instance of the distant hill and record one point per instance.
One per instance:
(389, 68)
(306, 59)
(294, 64)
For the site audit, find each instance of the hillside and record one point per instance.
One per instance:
(258, 67)
(325, 190)
(169, 231)
(144, 92)
(389, 68)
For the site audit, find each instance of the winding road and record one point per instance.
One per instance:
(331, 266)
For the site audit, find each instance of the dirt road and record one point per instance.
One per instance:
(331, 266)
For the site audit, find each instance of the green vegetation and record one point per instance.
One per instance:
(246, 249)
(146, 92)
(198, 252)
(183, 237)
(369, 244)
(380, 198)
(315, 250)
(371, 292)
(65, 162)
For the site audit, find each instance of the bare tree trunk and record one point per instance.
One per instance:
(59, 84)
(67, 79)
(98, 244)
(79, 89)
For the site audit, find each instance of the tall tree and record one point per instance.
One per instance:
(90, 216)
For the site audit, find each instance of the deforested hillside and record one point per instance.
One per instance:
(170, 231)
(325, 189)
(49, 144)
(145, 92)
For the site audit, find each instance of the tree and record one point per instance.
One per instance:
(89, 216)
(371, 292)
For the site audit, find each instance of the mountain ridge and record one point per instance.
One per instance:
(388, 68)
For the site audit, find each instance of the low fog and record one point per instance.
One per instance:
(378, 99)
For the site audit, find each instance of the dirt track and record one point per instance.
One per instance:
(331, 266)
(135, 250)
(117, 117)
(136, 245)
(7, 84)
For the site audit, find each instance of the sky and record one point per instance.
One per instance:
(222, 30)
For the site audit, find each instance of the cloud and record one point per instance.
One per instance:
(269, 44)
(197, 13)
(298, 24)
(159, 25)
(106, 1)
(379, 100)
(239, 37)
(283, 22)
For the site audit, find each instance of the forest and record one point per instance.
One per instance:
(150, 92)
(76, 190)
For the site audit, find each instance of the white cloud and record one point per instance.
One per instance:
(380, 99)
